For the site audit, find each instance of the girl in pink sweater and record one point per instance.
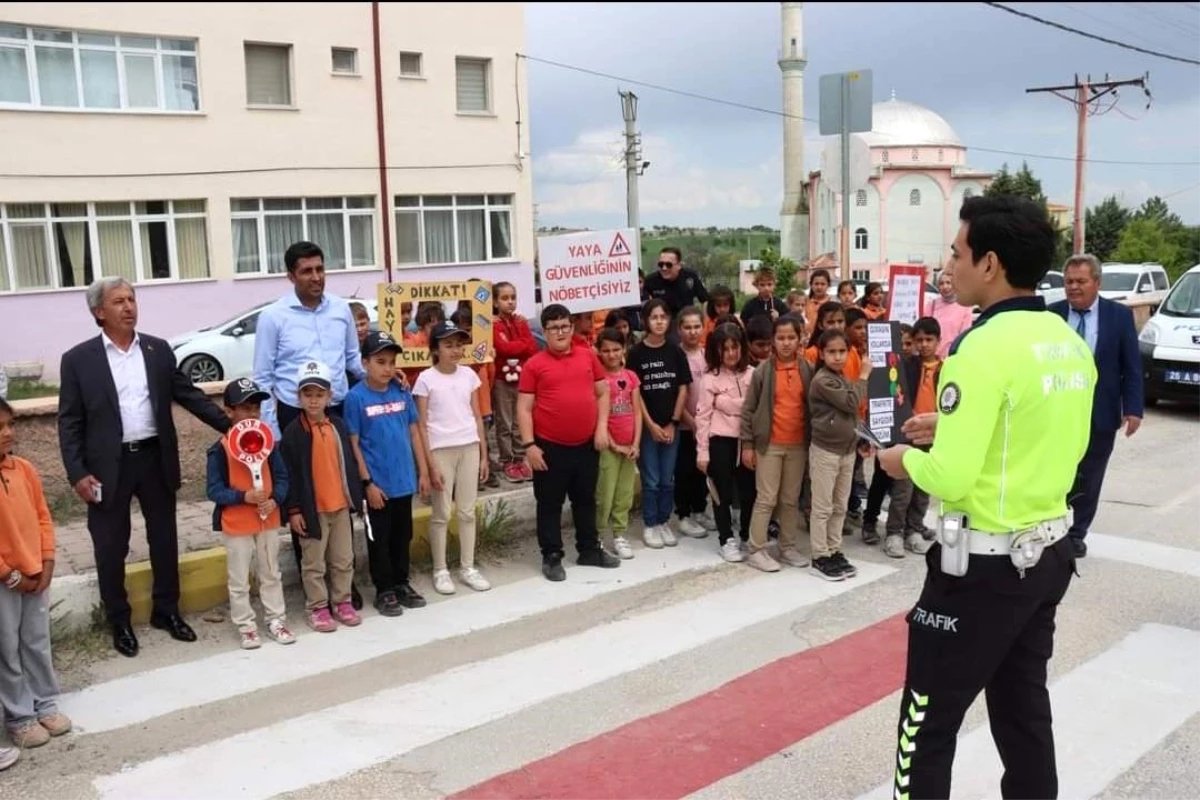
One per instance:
(723, 388)
(952, 317)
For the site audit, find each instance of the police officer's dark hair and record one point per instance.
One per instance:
(928, 326)
(301, 250)
(1017, 230)
(553, 313)
(609, 335)
(674, 251)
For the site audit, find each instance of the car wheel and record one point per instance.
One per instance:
(202, 369)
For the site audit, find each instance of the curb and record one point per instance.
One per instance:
(202, 584)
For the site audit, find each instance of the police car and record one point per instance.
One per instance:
(1170, 344)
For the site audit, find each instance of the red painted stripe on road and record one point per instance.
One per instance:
(681, 750)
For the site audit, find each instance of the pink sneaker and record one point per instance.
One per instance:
(513, 473)
(526, 472)
(346, 614)
(320, 621)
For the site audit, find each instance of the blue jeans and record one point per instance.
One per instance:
(656, 462)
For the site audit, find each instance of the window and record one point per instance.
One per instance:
(64, 245)
(822, 239)
(410, 65)
(268, 74)
(263, 229)
(860, 275)
(51, 68)
(941, 155)
(860, 197)
(345, 60)
(1160, 281)
(453, 229)
(885, 156)
(915, 155)
(860, 239)
(471, 81)
(914, 197)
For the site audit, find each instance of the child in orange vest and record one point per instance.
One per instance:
(29, 689)
(250, 519)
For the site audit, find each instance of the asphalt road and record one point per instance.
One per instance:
(675, 675)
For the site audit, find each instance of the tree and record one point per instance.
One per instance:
(1021, 184)
(785, 270)
(1103, 225)
(1157, 209)
(1145, 240)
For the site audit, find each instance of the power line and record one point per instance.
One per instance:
(777, 113)
(1104, 39)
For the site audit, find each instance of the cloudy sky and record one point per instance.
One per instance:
(716, 165)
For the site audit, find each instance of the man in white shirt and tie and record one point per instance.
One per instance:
(118, 441)
(1111, 335)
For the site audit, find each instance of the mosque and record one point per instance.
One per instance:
(907, 213)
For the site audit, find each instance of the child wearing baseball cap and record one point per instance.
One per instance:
(323, 490)
(249, 517)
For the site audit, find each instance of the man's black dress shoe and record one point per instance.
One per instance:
(174, 625)
(124, 641)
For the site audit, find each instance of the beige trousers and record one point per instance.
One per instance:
(334, 548)
(778, 478)
(460, 476)
(830, 475)
(263, 550)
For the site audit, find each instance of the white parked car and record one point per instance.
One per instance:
(1053, 287)
(1170, 344)
(1122, 281)
(226, 351)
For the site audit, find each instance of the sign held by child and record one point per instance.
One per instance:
(591, 270)
(475, 295)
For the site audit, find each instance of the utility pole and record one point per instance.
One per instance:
(633, 161)
(1085, 96)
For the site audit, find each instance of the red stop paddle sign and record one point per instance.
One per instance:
(251, 442)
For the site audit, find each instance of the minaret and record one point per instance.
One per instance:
(793, 220)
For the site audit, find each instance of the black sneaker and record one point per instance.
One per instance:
(407, 596)
(356, 598)
(387, 605)
(854, 516)
(870, 532)
(598, 558)
(828, 569)
(848, 569)
(773, 529)
(552, 568)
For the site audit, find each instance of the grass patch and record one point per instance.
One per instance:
(75, 646)
(26, 389)
(497, 531)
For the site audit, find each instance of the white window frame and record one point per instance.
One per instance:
(860, 198)
(487, 207)
(863, 275)
(48, 220)
(420, 73)
(914, 197)
(158, 51)
(488, 94)
(291, 104)
(353, 51)
(865, 236)
(305, 212)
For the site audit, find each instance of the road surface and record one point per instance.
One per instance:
(674, 676)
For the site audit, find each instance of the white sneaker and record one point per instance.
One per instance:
(668, 535)
(442, 583)
(893, 546)
(474, 578)
(793, 558)
(652, 537)
(731, 551)
(621, 545)
(917, 544)
(250, 640)
(9, 756)
(707, 520)
(278, 631)
(690, 527)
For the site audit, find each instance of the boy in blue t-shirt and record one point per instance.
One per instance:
(382, 419)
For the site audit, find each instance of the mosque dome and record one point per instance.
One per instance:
(897, 123)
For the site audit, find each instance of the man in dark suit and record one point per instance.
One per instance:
(1110, 332)
(118, 441)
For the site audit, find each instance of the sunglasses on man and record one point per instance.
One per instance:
(666, 264)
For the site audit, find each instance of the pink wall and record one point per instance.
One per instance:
(40, 327)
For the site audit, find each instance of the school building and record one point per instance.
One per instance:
(184, 146)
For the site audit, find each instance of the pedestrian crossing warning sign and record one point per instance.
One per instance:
(619, 246)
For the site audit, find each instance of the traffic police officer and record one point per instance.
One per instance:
(1014, 404)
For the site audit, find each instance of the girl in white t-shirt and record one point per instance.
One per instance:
(452, 429)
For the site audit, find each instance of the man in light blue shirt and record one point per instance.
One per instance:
(305, 324)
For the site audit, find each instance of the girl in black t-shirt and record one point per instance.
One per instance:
(664, 375)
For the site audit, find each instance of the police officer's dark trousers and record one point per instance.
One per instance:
(990, 630)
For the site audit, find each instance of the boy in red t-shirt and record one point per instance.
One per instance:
(562, 412)
(514, 345)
